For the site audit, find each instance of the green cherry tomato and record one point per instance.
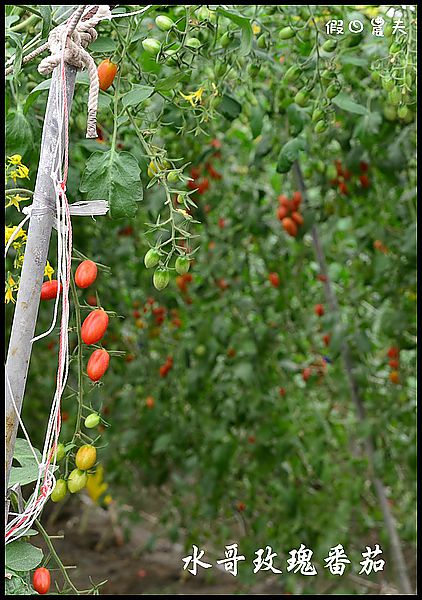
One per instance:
(333, 89)
(193, 43)
(182, 265)
(60, 452)
(152, 258)
(59, 491)
(77, 480)
(92, 420)
(292, 74)
(302, 98)
(161, 279)
(286, 33)
(329, 45)
(151, 46)
(164, 23)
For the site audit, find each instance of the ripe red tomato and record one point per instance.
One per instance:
(289, 226)
(394, 363)
(92, 300)
(212, 172)
(364, 181)
(252, 439)
(41, 580)
(149, 402)
(284, 201)
(282, 391)
(363, 166)
(106, 74)
(343, 188)
(297, 218)
(306, 373)
(319, 310)
(221, 223)
(94, 326)
(98, 364)
(326, 339)
(322, 277)
(195, 172)
(86, 274)
(49, 289)
(282, 212)
(203, 186)
(296, 200)
(393, 352)
(274, 279)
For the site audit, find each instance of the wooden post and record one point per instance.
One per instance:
(32, 274)
(389, 521)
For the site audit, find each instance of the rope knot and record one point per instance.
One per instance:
(75, 39)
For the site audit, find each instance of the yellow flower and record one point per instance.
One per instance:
(256, 28)
(22, 171)
(9, 232)
(48, 271)
(14, 201)
(195, 97)
(107, 500)
(16, 159)
(11, 286)
(95, 485)
(14, 175)
(184, 213)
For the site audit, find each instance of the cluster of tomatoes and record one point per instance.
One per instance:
(288, 213)
(344, 175)
(157, 312)
(394, 355)
(166, 367)
(200, 181)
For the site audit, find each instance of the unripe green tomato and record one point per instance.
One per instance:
(388, 84)
(60, 452)
(388, 30)
(253, 70)
(152, 258)
(321, 126)
(92, 420)
(328, 75)
(86, 457)
(193, 43)
(226, 39)
(261, 42)
(390, 112)
(151, 46)
(286, 33)
(182, 265)
(317, 115)
(302, 98)
(394, 96)
(329, 45)
(161, 279)
(402, 112)
(172, 176)
(59, 491)
(409, 80)
(164, 23)
(409, 116)
(179, 199)
(200, 350)
(204, 14)
(220, 69)
(333, 89)
(375, 76)
(292, 74)
(394, 48)
(77, 480)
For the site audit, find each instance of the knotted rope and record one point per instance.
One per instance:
(76, 38)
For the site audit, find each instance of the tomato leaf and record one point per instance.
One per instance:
(289, 153)
(137, 94)
(247, 33)
(21, 556)
(28, 471)
(115, 177)
(45, 10)
(345, 103)
(229, 107)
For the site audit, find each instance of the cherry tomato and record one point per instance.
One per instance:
(393, 352)
(49, 289)
(274, 279)
(289, 226)
(60, 491)
(86, 457)
(306, 373)
(98, 364)
(92, 420)
(41, 580)
(77, 480)
(94, 326)
(86, 274)
(319, 310)
(297, 218)
(106, 74)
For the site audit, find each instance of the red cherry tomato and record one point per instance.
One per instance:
(274, 279)
(106, 74)
(49, 289)
(94, 326)
(41, 580)
(319, 310)
(98, 364)
(86, 274)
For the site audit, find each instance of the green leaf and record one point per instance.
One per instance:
(115, 177)
(344, 102)
(247, 33)
(21, 556)
(28, 471)
(137, 94)
(45, 10)
(168, 83)
(16, 585)
(103, 45)
(162, 442)
(289, 153)
(229, 107)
